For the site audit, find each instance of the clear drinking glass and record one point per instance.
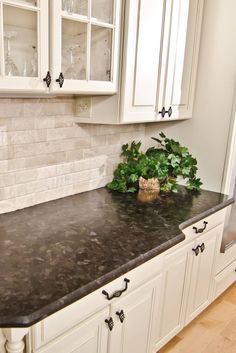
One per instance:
(101, 49)
(74, 45)
(76, 69)
(10, 67)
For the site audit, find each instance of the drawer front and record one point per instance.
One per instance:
(224, 259)
(225, 279)
(82, 338)
(205, 224)
(64, 319)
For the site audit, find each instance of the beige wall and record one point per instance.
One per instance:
(45, 155)
(206, 134)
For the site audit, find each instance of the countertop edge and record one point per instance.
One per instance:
(29, 320)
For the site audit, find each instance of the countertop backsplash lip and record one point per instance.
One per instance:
(36, 241)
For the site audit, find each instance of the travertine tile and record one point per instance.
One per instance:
(45, 155)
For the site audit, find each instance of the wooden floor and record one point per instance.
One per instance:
(213, 331)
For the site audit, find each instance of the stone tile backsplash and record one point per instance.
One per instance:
(45, 155)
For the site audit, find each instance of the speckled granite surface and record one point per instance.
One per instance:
(55, 253)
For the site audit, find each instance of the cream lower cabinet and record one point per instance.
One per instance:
(90, 336)
(133, 319)
(188, 278)
(173, 295)
(202, 273)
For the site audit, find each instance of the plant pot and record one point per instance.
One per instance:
(148, 195)
(151, 184)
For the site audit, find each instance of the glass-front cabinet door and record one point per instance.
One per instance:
(84, 46)
(24, 46)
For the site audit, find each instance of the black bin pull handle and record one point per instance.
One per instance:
(200, 230)
(117, 293)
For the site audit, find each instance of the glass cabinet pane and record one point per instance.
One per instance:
(74, 44)
(20, 42)
(75, 6)
(103, 10)
(28, 2)
(101, 51)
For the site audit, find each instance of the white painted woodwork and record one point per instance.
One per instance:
(25, 30)
(82, 86)
(134, 334)
(202, 273)
(142, 40)
(159, 64)
(173, 295)
(212, 220)
(15, 339)
(72, 315)
(90, 336)
(179, 57)
(225, 279)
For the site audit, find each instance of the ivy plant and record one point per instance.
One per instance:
(166, 162)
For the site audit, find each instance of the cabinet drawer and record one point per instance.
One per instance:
(225, 279)
(211, 222)
(64, 319)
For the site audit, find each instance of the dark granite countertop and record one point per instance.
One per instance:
(56, 253)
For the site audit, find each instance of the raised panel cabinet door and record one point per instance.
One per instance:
(24, 59)
(176, 266)
(133, 319)
(84, 49)
(91, 336)
(142, 42)
(203, 272)
(179, 58)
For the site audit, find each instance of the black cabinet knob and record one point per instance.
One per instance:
(196, 250)
(110, 323)
(121, 315)
(163, 112)
(60, 80)
(202, 247)
(48, 79)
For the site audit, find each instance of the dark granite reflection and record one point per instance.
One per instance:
(55, 253)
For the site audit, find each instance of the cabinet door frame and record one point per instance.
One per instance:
(171, 82)
(150, 290)
(82, 86)
(138, 104)
(29, 85)
(181, 254)
(215, 235)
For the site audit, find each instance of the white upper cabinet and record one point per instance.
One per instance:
(159, 64)
(160, 59)
(179, 58)
(84, 48)
(142, 41)
(23, 46)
